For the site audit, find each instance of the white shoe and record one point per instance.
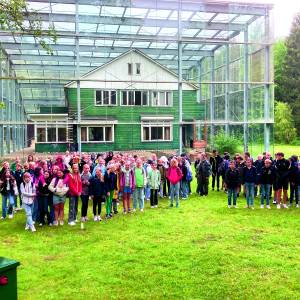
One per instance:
(2, 218)
(278, 206)
(252, 207)
(99, 218)
(234, 206)
(72, 223)
(184, 198)
(10, 216)
(95, 218)
(55, 223)
(27, 227)
(33, 228)
(152, 206)
(40, 224)
(268, 207)
(33, 222)
(229, 206)
(142, 210)
(61, 223)
(297, 205)
(262, 206)
(76, 221)
(155, 206)
(134, 210)
(285, 206)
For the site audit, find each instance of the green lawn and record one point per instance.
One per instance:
(203, 250)
(288, 150)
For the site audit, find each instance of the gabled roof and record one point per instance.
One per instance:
(127, 53)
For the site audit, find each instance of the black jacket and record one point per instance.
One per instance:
(215, 163)
(232, 178)
(98, 187)
(267, 175)
(282, 169)
(110, 181)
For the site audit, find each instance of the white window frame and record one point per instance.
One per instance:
(102, 92)
(46, 125)
(165, 92)
(130, 66)
(112, 126)
(153, 124)
(138, 66)
(127, 92)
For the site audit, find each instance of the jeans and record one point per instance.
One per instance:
(184, 188)
(232, 193)
(51, 209)
(73, 207)
(97, 202)
(35, 212)
(249, 186)
(84, 206)
(10, 204)
(43, 209)
(28, 210)
(215, 178)
(174, 192)
(294, 192)
(265, 193)
(138, 197)
(153, 197)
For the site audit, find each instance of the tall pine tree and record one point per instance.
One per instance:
(291, 71)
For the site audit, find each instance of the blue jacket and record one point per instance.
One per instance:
(249, 175)
(98, 187)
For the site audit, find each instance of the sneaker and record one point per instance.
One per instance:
(2, 218)
(27, 227)
(142, 210)
(86, 218)
(274, 202)
(41, 224)
(72, 223)
(247, 206)
(268, 207)
(155, 206)
(108, 216)
(229, 206)
(111, 215)
(95, 218)
(285, 206)
(115, 212)
(278, 206)
(61, 223)
(297, 205)
(252, 207)
(290, 204)
(134, 210)
(76, 221)
(82, 219)
(152, 206)
(184, 198)
(262, 206)
(33, 228)
(33, 222)
(55, 223)
(124, 212)
(99, 218)
(234, 206)
(50, 224)
(10, 216)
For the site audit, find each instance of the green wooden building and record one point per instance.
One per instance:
(129, 103)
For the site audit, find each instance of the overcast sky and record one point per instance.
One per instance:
(283, 12)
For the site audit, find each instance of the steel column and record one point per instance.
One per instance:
(227, 62)
(246, 89)
(212, 98)
(179, 44)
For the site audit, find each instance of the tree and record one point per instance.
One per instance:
(291, 71)
(284, 123)
(14, 13)
(280, 51)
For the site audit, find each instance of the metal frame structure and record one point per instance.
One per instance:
(179, 34)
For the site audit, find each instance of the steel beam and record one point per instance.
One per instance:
(227, 72)
(212, 99)
(246, 91)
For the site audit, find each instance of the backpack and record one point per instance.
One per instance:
(189, 175)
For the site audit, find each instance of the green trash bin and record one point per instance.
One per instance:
(8, 279)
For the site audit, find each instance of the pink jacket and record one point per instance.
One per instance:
(131, 180)
(174, 175)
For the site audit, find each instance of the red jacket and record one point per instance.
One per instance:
(75, 184)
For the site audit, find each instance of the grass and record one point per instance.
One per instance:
(203, 250)
(288, 150)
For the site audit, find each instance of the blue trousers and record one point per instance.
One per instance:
(138, 197)
(174, 193)
(265, 193)
(11, 204)
(232, 194)
(249, 193)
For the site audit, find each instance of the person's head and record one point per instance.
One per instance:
(98, 173)
(231, 164)
(86, 169)
(54, 170)
(5, 165)
(279, 155)
(67, 153)
(268, 163)
(75, 168)
(60, 173)
(174, 162)
(260, 157)
(18, 167)
(30, 158)
(26, 167)
(268, 155)
(246, 155)
(18, 160)
(214, 152)
(248, 163)
(294, 158)
(127, 165)
(32, 165)
(46, 174)
(139, 163)
(153, 166)
(37, 172)
(7, 174)
(153, 157)
(26, 177)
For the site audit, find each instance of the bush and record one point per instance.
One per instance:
(224, 143)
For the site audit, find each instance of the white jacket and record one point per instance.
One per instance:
(28, 192)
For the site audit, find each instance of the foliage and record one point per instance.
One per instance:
(280, 51)
(224, 143)
(2, 105)
(291, 71)
(13, 16)
(284, 123)
(203, 250)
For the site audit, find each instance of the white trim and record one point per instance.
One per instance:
(133, 105)
(98, 122)
(162, 125)
(165, 92)
(100, 126)
(154, 118)
(46, 125)
(102, 91)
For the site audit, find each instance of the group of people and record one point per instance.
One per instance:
(243, 174)
(41, 186)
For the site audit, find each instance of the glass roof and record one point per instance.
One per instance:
(106, 31)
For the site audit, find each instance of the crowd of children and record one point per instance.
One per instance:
(41, 187)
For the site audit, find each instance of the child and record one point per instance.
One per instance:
(232, 182)
(266, 180)
(28, 197)
(59, 189)
(110, 179)
(154, 182)
(140, 183)
(98, 192)
(174, 175)
(42, 198)
(9, 190)
(249, 181)
(86, 177)
(127, 184)
(18, 174)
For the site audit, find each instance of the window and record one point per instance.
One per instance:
(129, 69)
(61, 134)
(51, 134)
(41, 135)
(137, 98)
(138, 69)
(160, 98)
(97, 134)
(106, 97)
(156, 132)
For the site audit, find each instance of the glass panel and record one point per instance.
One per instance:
(162, 98)
(41, 135)
(99, 98)
(51, 134)
(113, 98)
(138, 68)
(130, 98)
(105, 97)
(138, 98)
(96, 134)
(156, 133)
(145, 98)
(62, 135)
(108, 134)
(168, 98)
(124, 97)
(83, 134)
(129, 69)
(146, 136)
(167, 132)
(154, 98)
